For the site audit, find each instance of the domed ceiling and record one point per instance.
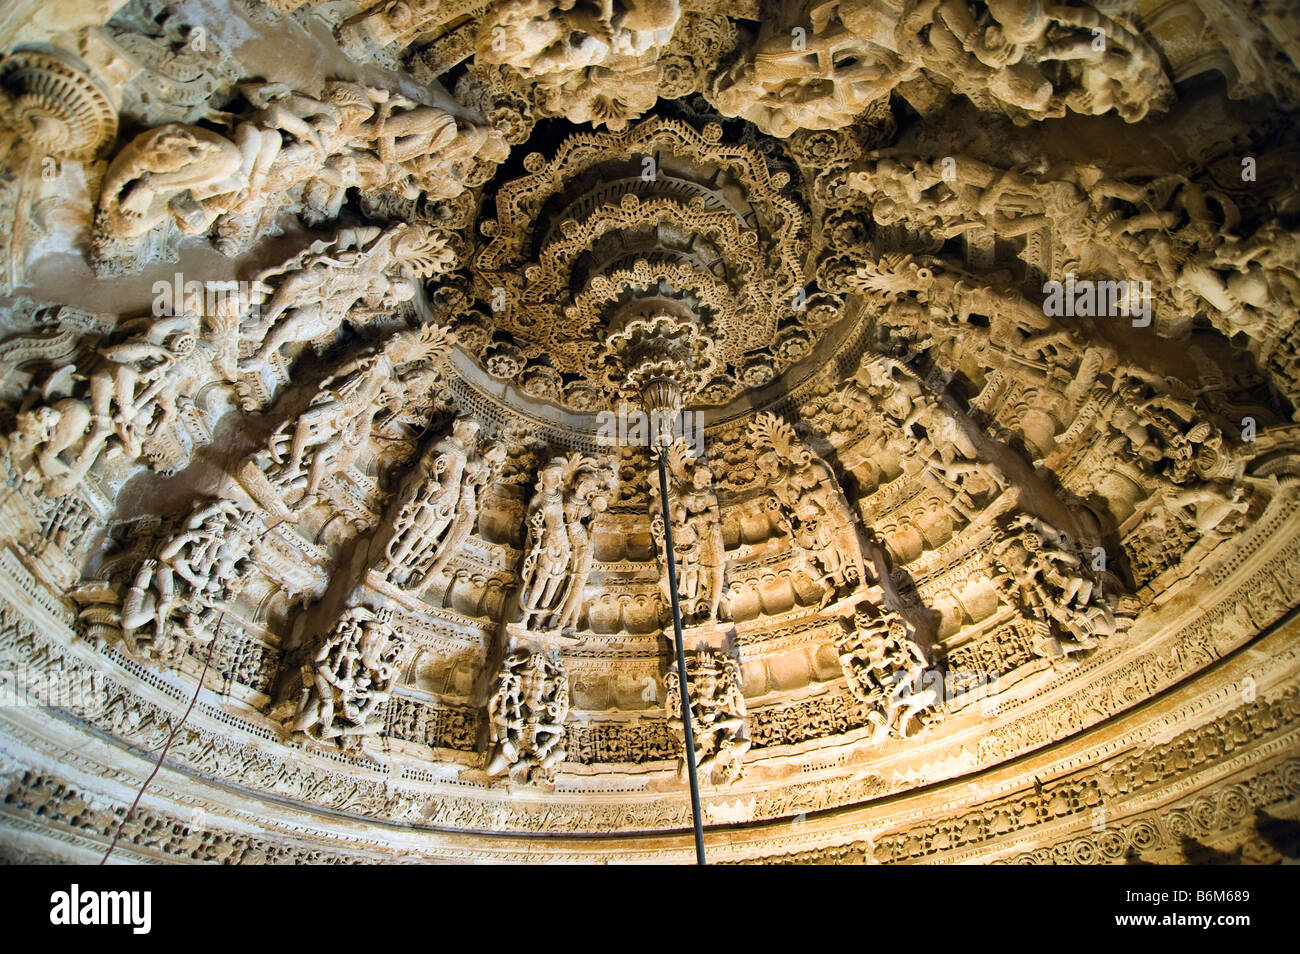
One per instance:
(329, 333)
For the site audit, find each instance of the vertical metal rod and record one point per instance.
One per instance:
(681, 657)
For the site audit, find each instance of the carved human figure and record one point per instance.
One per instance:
(718, 715)
(292, 151)
(1180, 234)
(884, 667)
(822, 63)
(163, 176)
(930, 428)
(1249, 281)
(300, 151)
(822, 524)
(392, 21)
(1044, 572)
(360, 272)
(881, 383)
(944, 295)
(129, 394)
(812, 73)
(326, 438)
(950, 195)
(329, 435)
(1213, 510)
(130, 388)
(699, 551)
(570, 491)
(541, 38)
(1159, 417)
(372, 137)
(441, 506)
(590, 60)
(908, 696)
(546, 565)
(42, 434)
(193, 570)
(349, 678)
(589, 495)
(481, 471)
(1010, 49)
(526, 716)
(432, 492)
(445, 173)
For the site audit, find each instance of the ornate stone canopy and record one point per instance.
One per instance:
(328, 337)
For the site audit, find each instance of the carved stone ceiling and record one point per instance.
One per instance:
(325, 333)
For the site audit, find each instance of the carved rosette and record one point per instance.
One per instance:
(661, 361)
(55, 106)
(657, 222)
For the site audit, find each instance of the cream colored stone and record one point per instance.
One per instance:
(325, 377)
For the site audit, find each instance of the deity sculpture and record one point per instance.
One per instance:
(360, 273)
(884, 384)
(699, 552)
(570, 492)
(884, 668)
(1182, 236)
(939, 292)
(349, 678)
(1248, 282)
(526, 717)
(923, 421)
(718, 716)
(441, 506)
(544, 36)
(129, 395)
(820, 520)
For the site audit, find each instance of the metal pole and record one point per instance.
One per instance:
(681, 657)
